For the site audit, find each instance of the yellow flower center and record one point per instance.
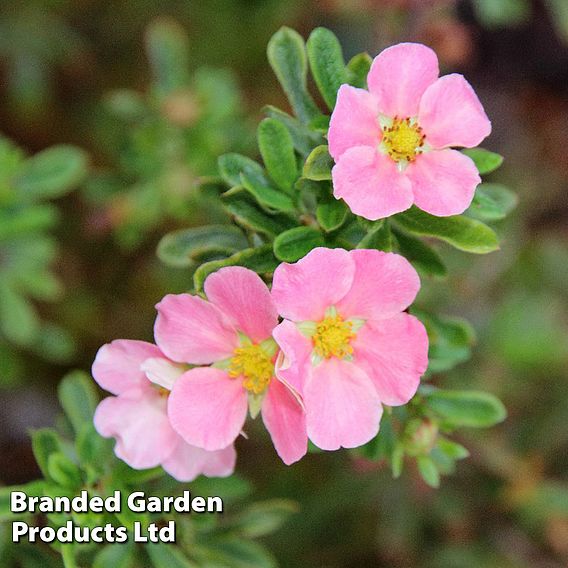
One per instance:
(332, 337)
(403, 139)
(254, 365)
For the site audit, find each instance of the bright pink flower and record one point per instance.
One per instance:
(347, 344)
(141, 377)
(392, 144)
(232, 332)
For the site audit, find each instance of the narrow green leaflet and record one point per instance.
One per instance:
(358, 69)
(428, 470)
(18, 319)
(185, 247)
(232, 165)
(492, 202)
(379, 236)
(165, 556)
(423, 257)
(484, 160)
(247, 213)
(450, 340)
(465, 234)
(63, 471)
(277, 150)
(44, 443)
(236, 552)
(473, 409)
(318, 164)
(287, 57)
(327, 64)
(296, 243)
(303, 137)
(168, 48)
(267, 196)
(260, 259)
(17, 222)
(51, 173)
(331, 213)
(265, 517)
(78, 398)
(115, 556)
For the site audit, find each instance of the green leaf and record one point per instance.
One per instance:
(267, 196)
(45, 442)
(260, 259)
(450, 340)
(63, 471)
(379, 237)
(318, 164)
(358, 69)
(423, 257)
(232, 165)
(18, 319)
(327, 64)
(236, 553)
(383, 444)
(92, 449)
(52, 173)
(54, 343)
(120, 555)
(32, 489)
(167, 556)
(492, 202)
(484, 160)
(465, 234)
(168, 49)
(78, 398)
(296, 243)
(473, 409)
(331, 213)
(277, 150)
(428, 471)
(452, 449)
(303, 138)
(264, 518)
(185, 247)
(287, 57)
(247, 213)
(14, 223)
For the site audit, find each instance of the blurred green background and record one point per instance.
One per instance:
(86, 73)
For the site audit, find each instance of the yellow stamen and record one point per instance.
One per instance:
(403, 139)
(163, 392)
(254, 365)
(332, 337)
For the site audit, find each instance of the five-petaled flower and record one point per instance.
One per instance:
(141, 376)
(230, 337)
(347, 344)
(392, 144)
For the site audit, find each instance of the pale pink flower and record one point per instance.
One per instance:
(231, 332)
(347, 344)
(141, 376)
(392, 144)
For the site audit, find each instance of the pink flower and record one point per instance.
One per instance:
(392, 144)
(141, 377)
(347, 344)
(232, 332)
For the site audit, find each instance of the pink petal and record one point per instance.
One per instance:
(117, 365)
(162, 371)
(139, 422)
(451, 114)
(385, 284)
(207, 408)
(394, 354)
(342, 406)
(443, 182)
(188, 462)
(370, 183)
(284, 418)
(191, 330)
(304, 290)
(245, 299)
(294, 367)
(354, 121)
(399, 76)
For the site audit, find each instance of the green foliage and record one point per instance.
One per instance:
(484, 160)
(296, 243)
